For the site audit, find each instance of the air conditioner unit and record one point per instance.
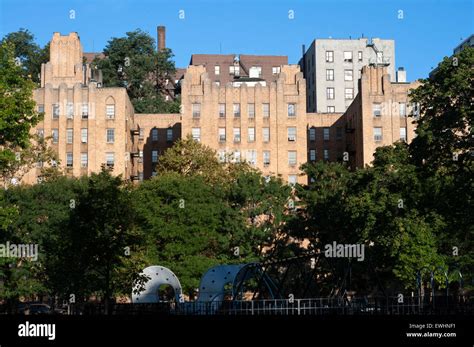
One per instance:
(292, 138)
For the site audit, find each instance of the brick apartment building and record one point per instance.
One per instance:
(89, 125)
(257, 114)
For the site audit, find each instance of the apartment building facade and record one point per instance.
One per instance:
(89, 126)
(153, 134)
(332, 68)
(225, 68)
(262, 120)
(380, 115)
(263, 124)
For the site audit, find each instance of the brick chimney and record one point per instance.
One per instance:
(161, 38)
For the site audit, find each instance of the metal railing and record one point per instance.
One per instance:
(375, 305)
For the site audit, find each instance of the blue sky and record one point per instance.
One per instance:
(429, 30)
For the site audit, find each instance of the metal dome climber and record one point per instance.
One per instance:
(159, 275)
(222, 280)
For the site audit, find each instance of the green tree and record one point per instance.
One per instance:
(378, 207)
(42, 216)
(133, 62)
(19, 150)
(27, 53)
(188, 157)
(190, 226)
(443, 150)
(101, 235)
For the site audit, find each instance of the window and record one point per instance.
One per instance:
(339, 133)
(84, 160)
(379, 57)
(329, 75)
(237, 156)
(251, 134)
(222, 110)
(154, 156)
(291, 110)
(347, 56)
(331, 109)
(110, 135)
(55, 111)
(255, 71)
(196, 110)
(169, 134)
(312, 155)
(329, 56)
(110, 159)
(377, 109)
(236, 134)
(110, 111)
(403, 109)
(70, 110)
(141, 133)
(154, 134)
(377, 134)
(41, 108)
(266, 134)
(218, 83)
(140, 156)
(276, 70)
(359, 55)
(234, 70)
(236, 108)
(140, 175)
(217, 70)
(348, 75)
(403, 134)
(326, 134)
(252, 157)
(55, 134)
(221, 156)
(69, 136)
(40, 133)
(330, 93)
(415, 109)
(266, 110)
(251, 110)
(266, 158)
(292, 180)
(291, 158)
(312, 134)
(349, 93)
(196, 132)
(85, 111)
(69, 159)
(221, 134)
(326, 154)
(292, 134)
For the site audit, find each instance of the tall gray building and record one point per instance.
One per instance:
(332, 69)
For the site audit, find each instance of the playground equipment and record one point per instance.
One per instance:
(158, 276)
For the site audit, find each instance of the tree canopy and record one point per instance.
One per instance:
(134, 63)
